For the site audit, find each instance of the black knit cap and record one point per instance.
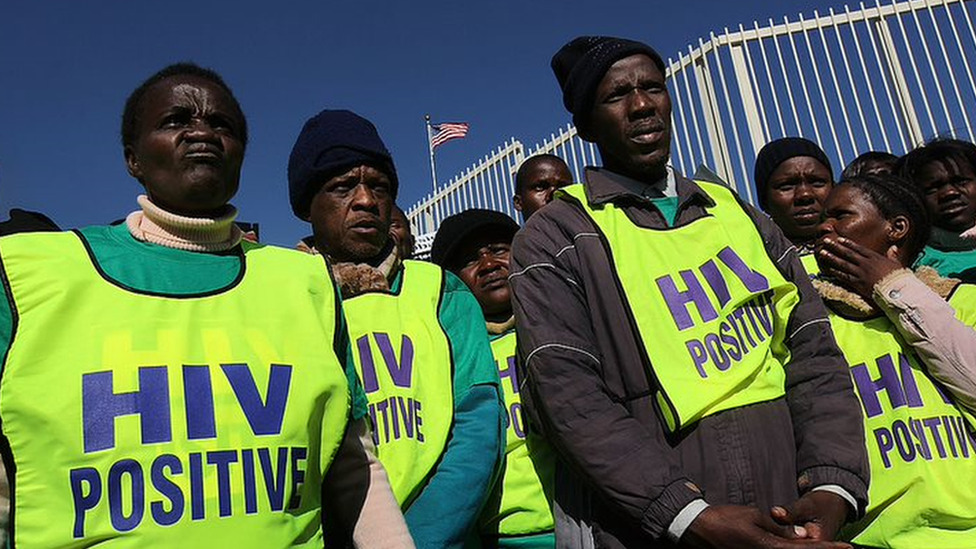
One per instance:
(457, 229)
(581, 64)
(779, 151)
(332, 142)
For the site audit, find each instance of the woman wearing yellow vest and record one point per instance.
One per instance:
(911, 346)
(793, 178)
(164, 383)
(475, 245)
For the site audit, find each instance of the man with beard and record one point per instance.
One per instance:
(419, 341)
(675, 418)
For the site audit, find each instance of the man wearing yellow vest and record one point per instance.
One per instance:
(166, 384)
(419, 341)
(675, 354)
(475, 245)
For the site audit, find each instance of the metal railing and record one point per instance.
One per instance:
(880, 77)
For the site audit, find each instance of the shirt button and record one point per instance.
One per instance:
(894, 294)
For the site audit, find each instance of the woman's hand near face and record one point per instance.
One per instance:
(854, 266)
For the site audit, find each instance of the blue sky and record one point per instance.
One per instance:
(66, 68)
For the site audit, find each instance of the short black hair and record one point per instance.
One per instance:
(894, 196)
(131, 112)
(953, 151)
(523, 172)
(857, 165)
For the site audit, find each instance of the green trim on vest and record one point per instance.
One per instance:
(157, 421)
(521, 502)
(921, 448)
(404, 361)
(706, 350)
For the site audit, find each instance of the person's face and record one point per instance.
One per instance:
(482, 263)
(350, 214)
(188, 146)
(400, 229)
(950, 194)
(795, 195)
(631, 119)
(542, 180)
(848, 213)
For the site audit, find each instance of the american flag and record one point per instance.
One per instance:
(446, 131)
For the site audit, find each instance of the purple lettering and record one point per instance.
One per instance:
(717, 353)
(912, 395)
(406, 412)
(510, 373)
(85, 499)
(734, 350)
(198, 391)
(298, 455)
(221, 460)
(753, 281)
(518, 424)
(868, 389)
(947, 425)
(959, 428)
(885, 443)
(250, 482)
(420, 422)
(923, 443)
(129, 467)
(265, 417)
(933, 426)
(698, 355)
(737, 315)
(101, 405)
(197, 503)
(169, 489)
(903, 439)
(274, 483)
(370, 383)
(716, 282)
(396, 418)
(762, 307)
(400, 371)
(678, 301)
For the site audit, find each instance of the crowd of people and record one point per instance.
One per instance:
(649, 361)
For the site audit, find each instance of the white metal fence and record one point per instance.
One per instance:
(880, 77)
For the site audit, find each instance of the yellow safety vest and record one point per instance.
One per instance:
(921, 448)
(809, 262)
(140, 420)
(709, 304)
(521, 502)
(404, 361)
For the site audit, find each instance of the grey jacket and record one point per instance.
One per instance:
(591, 395)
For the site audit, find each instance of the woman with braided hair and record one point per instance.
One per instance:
(909, 339)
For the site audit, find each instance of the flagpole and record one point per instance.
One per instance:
(430, 149)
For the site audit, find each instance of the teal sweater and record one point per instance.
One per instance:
(443, 514)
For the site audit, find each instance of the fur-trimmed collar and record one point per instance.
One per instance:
(852, 305)
(358, 278)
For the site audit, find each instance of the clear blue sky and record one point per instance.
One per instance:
(66, 68)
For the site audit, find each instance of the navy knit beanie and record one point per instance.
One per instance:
(458, 228)
(779, 151)
(580, 65)
(331, 143)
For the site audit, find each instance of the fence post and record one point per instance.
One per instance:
(896, 75)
